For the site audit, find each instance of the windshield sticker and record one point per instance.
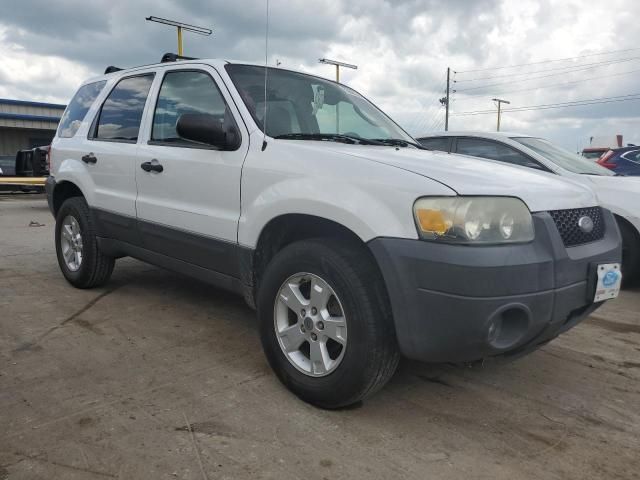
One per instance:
(318, 99)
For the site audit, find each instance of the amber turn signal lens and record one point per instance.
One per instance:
(431, 221)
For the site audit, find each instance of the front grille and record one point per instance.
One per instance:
(567, 223)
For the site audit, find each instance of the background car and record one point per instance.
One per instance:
(617, 193)
(7, 166)
(623, 161)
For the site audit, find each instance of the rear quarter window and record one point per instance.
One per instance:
(78, 108)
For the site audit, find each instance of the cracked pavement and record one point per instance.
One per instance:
(160, 376)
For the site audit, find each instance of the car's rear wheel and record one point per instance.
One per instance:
(79, 257)
(325, 322)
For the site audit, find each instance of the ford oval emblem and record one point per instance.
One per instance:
(610, 279)
(586, 224)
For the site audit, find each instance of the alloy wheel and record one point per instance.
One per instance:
(71, 243)
(310, 324)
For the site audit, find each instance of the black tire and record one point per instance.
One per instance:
(630, 253)
(95, 268)
(371, 355)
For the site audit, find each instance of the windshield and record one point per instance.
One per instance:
(563, 158)
(305, 107)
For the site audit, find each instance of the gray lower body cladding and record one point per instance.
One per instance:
(456, 303)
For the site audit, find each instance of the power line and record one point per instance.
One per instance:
(421, 120)
(610, 52)
(436, 120)
(433, 120)
(529, 89)
(576, 103)
(523, 80)
(429, 115)
(570, 67)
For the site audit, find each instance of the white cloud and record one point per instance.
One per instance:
(25, 75)
(402, 48)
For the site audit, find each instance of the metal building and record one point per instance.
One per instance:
(25, 125)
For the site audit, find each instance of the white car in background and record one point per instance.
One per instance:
(617, 193)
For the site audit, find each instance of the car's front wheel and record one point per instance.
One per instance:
(325, 322)
(630, 253)
(80, 259)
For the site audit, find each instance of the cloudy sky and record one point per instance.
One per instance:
(402, 48)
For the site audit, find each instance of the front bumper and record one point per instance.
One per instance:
(456, 303)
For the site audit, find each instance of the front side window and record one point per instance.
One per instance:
(300, 105)
(476, 147)
(441, 143)
(186, 92)
(78, 108)
(121, 112)
(563, 158)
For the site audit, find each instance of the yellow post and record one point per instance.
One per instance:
(338, 73)
(180, 41)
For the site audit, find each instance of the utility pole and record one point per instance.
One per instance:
(446, 113)
(500, 102)
(445, 101)
(180, 27)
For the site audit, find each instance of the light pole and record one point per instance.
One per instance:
(500, 102)
(181, 26)
(338, 65)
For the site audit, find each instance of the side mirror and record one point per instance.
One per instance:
(207, 129)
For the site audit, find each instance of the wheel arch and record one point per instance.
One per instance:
(623, 221)
(63, 191)
(284, 230)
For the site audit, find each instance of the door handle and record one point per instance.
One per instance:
(89, 158)
(152, 166)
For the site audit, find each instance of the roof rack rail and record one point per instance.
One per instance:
(174, 57)
(111, 69)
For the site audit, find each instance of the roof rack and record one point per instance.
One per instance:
(174, 57)
(111, 69)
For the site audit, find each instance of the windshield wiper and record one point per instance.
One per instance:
(399, 142)
(331, 137)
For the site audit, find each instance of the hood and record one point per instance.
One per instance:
(465, 175)
(621, 195)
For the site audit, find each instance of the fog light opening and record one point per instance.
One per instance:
(508, 327)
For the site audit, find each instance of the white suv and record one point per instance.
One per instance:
(353, 243)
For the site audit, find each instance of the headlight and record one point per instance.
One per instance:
(473, 220)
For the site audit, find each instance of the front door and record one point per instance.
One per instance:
(188, 202)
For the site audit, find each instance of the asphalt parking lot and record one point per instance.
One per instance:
(159, 376)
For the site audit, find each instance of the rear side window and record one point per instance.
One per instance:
(633, 155)
(494, 151)
(78, 108)
(121, 112)
(441, 143)
(186, 92)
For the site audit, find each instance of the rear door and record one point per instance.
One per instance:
(109, 153)
(190, 209)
